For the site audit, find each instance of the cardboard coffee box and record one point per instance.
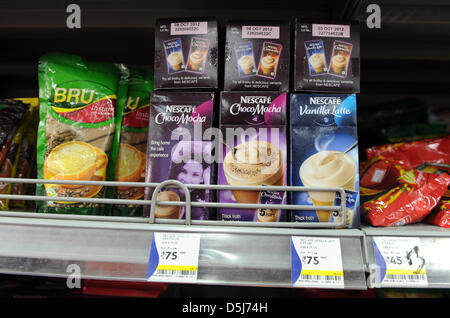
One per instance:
(257, 56)
(186, 53)
(327, 57)
(178, 150)
(254, 153)
(324, 153)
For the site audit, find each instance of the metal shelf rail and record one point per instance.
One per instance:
(231, 252)
(105, 247)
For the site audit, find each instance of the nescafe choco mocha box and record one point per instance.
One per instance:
(178, 149)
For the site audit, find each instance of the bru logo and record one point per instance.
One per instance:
(73, 95)
(324, 100)
(131, 103)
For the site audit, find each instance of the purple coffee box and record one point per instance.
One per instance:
(253, 153)
(177, 149)
(186, 53)
(257, 56)
(327, 57)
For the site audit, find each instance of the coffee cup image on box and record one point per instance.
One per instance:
(268, 62)
(253, 163)
(327, 169)
(174, 56)
(196, 61)
(164, 211)
(315, 54)
(197, 55)
(340, 58)
(245, 59)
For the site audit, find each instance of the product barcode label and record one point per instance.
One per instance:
(400, 262)
(321, 278)
(176, 272)
(316, 262)
(403, 278)
(174, 257)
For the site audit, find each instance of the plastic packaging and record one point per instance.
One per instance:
(133, 141)
(410, 202)
(81, 107)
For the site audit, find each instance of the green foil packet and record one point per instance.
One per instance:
(81, 108)
(131, 161)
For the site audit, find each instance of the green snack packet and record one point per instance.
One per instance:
(81, 107)
(131, 161)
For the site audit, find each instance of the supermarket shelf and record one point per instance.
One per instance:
(231, 253)
(119, 250)
(435, 249)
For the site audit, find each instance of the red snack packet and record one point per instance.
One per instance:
(380, 174)
(440, 215)
(410, 202)
(413, 154)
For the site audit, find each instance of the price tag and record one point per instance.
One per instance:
(174, 257)
(400, 262)
(316, 262)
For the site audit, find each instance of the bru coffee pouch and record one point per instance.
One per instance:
(131, 160)
(254, 153)
(178, 149)
(81, 105)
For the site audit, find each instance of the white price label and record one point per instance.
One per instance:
(316, 262)
(400, 261)
(174, 257)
